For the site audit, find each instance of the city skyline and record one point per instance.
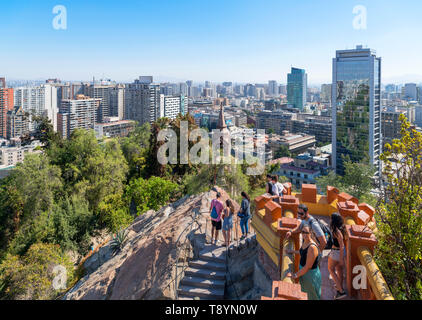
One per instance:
(238, 41)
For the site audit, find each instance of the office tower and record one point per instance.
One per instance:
(40, 101)
(410, 92)
(2, 83)
(183, 89)
(189, 83)
(418, 116)
(6, 104)
(172, 106)
(326, 93)
(142, 102)
(17, 123)
(272, 88)
(282, 89)
(117, 102)
(356, 108)
(297, 86)
(77, 114)
(390, 88)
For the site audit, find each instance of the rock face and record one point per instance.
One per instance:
(145, 268)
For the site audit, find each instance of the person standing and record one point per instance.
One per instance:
(309, 274)
(215, 212)
(228, 222)
(244, 214)
(308, 220)
(337, 253)
(280, 188)
(269, 185)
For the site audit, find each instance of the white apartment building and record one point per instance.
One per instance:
(75, 114)
(41, 100)
(171, 106)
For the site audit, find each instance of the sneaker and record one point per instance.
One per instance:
(242, 237)
(340, 295)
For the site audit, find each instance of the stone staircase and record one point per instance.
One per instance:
(205, 278)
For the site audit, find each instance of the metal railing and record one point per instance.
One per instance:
(185, 248)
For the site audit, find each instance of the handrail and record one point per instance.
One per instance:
(378, 284)
(190, 227)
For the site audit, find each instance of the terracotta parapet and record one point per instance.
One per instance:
(272, 212)
(289, 203)
(332, 194)
(358, 236)
(309, 193)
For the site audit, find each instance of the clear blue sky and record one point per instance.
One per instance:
(217, 40)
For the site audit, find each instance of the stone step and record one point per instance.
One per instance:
(205, 273)
(209, 256)
(209, 293)
(202, 282)
(210, 265)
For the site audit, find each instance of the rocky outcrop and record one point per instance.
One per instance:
(145, 268)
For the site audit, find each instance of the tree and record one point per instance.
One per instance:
(399, 215)
(358, 178)
(45, 132)
(32, 276)
(89, 168)
(283, 151)
(150, 194)
(135, 148)
(114, 213)
(357, 181)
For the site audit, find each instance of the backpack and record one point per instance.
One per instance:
(270, 188)
(214, 214)
(328, 234)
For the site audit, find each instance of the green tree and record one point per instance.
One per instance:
(45, 132)
(135, 149)
(150, 194)
(398, 215)
(31, 277)
(114, 213)
(91, 169)
(283, 151)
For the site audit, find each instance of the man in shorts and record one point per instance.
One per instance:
(216, 221)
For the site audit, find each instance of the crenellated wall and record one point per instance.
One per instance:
(275, 216)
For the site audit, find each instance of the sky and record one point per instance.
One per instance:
(216, 40)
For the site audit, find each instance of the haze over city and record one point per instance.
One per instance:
(240, 41)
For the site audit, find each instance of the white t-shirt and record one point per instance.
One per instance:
(275, 190)
(280, 188)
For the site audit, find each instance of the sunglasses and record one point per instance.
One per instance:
(305, 232)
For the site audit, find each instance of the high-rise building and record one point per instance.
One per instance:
(77, 114)
(117, 102)
(2, 83)
(326, 93)
(297, 86)
(6, 104)
(17, 123)
(102, 92)
(142, 102)
(356, 110)
(41, 101)
(172, 106)
(410, 92)
(272, 88)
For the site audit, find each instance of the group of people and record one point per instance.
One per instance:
(222, 218)
(273, 187)
(309, 274)
(314, 240)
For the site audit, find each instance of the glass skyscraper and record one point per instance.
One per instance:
(356, 108)
(297, 86)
